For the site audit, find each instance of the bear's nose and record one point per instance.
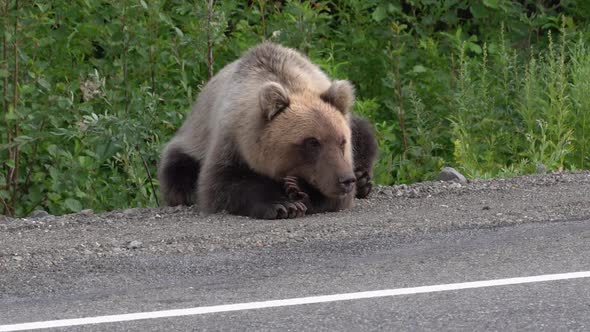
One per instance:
(346, 182)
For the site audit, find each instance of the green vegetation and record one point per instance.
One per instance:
(92, 89)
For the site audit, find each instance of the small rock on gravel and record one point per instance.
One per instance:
(451, 174)
(130, 211)
(414, 193)
(87, 212)
(134, 244)
(541, 169)
(455, 185)
(38, 214)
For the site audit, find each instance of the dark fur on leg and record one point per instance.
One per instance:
(178, 178)
(239, 190)
(364, 144)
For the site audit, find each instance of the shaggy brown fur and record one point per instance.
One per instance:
(264, 120)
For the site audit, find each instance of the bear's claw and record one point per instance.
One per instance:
(364, 185)
(286, 210)
(292, 189)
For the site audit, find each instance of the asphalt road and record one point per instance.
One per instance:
(87, 265)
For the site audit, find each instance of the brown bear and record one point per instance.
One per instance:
(270, 136)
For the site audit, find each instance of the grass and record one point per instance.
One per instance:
(92, 90)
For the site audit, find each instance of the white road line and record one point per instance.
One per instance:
(291, 302)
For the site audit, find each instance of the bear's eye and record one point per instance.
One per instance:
(343, 142)
(311, 143)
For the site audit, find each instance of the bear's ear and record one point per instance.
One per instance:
(340, 95)
(273, 98)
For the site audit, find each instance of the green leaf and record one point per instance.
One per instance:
(35, 195)
(179, 32)
(54, 197)
(80, 193)
(4, 194)
(23, 139)
(11, 115)
(394, 8)
(63, 103)
(85, 162)
(54, 173)
(478, 10)
(53, 150)
(9, 163)
(379, 14)
(43, 82)
(491, 3)
(73, 205)
(4, 73)
(569, 22)
(474, 48)
(143, 4)
(419, 69)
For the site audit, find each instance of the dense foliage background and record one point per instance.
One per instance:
(92, 89)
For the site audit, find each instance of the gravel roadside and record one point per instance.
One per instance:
(399, 212)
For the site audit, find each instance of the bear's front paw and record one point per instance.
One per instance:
(285, 210)
(293, 190)
(363, 184)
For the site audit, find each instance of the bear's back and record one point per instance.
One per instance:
(227, 107)
(272, 62)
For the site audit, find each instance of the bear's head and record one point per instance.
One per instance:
(308, 135)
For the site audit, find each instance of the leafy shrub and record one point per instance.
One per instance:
(91, 90)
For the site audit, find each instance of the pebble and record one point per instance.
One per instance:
(541, 169)
(130, 211)
(134, 244)
(86, 212)
(387, 192)
(455, 185)
(451, 174)
(38, 214)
